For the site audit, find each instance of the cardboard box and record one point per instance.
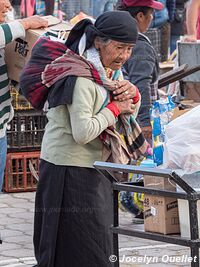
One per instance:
(190, 105)
(18, 52)
(165, 66)
(191, 90)
(160, 213)
(177, 113)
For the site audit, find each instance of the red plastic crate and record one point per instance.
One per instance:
(18, 175)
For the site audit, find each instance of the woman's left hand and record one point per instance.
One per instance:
(124, 90)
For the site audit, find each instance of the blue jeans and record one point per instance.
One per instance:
(98, 7)
(3, 151)
(174, 39)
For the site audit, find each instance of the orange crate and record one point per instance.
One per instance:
(19, 174)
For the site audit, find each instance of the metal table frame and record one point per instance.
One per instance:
(108, 169)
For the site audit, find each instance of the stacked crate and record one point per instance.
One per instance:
(19, 173)
(24, 136)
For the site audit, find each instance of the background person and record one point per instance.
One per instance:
(178, 25)
(9, 32)
(98, 7)
(16, 6)
(162, 19)
(193, 21)
(164, 15)
(142, 70)
(73, 7)
(110, 5)
(39, 7)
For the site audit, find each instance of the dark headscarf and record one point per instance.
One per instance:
(115, 25)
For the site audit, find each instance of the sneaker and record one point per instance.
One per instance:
(139, 218)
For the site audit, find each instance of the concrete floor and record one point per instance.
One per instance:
(16, 227)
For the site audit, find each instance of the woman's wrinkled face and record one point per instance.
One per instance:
(114, 54)
(4, 7)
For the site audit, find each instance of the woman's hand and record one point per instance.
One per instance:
(189, 38)
(125, 107)
(33, 22)
(124, 90)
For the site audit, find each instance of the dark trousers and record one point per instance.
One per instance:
(73, 215)
(165, 41)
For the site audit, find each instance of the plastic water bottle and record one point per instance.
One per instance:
(155, 120)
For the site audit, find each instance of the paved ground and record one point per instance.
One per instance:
(16, 226)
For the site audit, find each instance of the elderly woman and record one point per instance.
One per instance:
(73, 208)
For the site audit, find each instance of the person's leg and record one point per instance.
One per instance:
(86, 7)
(71, 8)
(84, 237)
(3, 151)
(165, 41)
(173, 42)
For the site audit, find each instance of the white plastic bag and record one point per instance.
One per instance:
(182, 146)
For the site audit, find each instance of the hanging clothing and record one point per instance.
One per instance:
(198, 27)
(45, 7)
(27, 9)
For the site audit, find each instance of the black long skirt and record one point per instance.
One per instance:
(73, 215)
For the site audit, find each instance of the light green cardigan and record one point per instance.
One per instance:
(72, 133)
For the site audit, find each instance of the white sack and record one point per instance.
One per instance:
(182, 146)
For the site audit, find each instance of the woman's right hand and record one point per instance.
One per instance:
(125, 107)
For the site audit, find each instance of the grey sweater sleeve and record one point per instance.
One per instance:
(139, 69)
